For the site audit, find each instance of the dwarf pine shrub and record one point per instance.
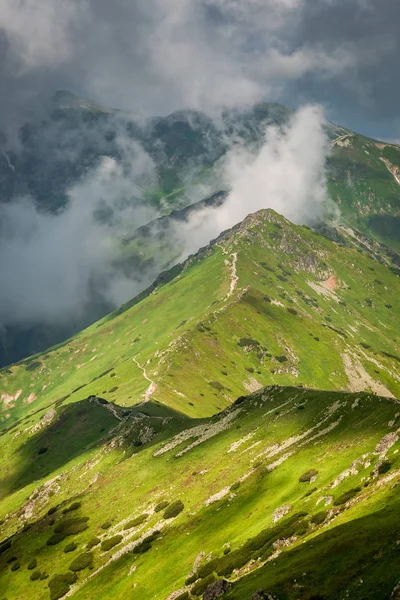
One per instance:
(136, 522)
(163, 504)
(111, 542)
(173, 509)
(81, 562)
(59, 585)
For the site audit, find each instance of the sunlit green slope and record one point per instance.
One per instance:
(290, 491)
(267, 303)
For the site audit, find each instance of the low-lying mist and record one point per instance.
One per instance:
(54, 266)
(286, 174)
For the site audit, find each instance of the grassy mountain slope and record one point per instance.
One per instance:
(187, 147)
(119, 479)
(266, 303)
(290, 491)
(364, 180)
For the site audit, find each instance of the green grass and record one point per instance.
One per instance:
(331, 431)
(188, 334)
(82, 451)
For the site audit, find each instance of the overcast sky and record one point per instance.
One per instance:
(156, 56)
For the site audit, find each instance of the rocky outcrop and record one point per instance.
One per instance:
(217, 589)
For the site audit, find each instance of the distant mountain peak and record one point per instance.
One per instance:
(66, 100)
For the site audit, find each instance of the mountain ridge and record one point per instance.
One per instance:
(279, 280)
(272, 479)
(64, 148)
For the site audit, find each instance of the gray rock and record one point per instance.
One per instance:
(258, 596)
(214, 590)
(396, 593)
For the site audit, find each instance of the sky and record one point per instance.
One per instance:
(157, 56)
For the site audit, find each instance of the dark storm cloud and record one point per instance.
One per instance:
(367, 97)
(155, 56)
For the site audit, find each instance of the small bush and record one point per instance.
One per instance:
(70, 547)
(346, 496)
(235, 560)
(235, 486)
(319, 517)
(145, 545)
(302, 528)
(55, 539)
(106, 525)
(192, 578)
(15, 566)
(136, 522)
(142, 548)
(81, 562)
(199, 588)
(72, 525)
(93, 542)
(216, 385)
(72, 507)
(163, 504)
(111, 542)
(183, 596)
(5, 546)
(35, 575)
(244, 342)
(44, 575)
(281, 359)
(42, 450)
(59, 585)
(308, 475)
(384, 467)
(173, 509)
(32, 366)
(113, 389)
(292, 311)
(52, 510)
(32, 564)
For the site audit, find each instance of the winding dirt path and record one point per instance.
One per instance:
(152, 387)
(232, 271)
(234, 277)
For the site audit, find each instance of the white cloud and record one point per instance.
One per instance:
(58, 263)
(155, 56)
(287, 174)
(41, 31)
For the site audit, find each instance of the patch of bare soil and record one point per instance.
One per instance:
(330, 283)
